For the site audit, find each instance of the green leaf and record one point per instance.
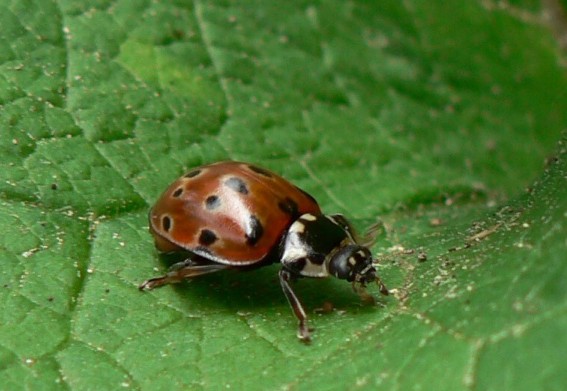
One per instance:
(436, 119)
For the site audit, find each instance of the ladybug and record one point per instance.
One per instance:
(235, 215)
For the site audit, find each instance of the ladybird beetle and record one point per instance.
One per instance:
(235, 215)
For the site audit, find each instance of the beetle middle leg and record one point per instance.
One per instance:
(181, 271)
(303, 331)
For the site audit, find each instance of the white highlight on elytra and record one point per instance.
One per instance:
(233, 206)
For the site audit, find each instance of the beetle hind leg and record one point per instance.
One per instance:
(181, 271)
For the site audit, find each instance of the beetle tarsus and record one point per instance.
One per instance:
(153, 283)
(304, 333)
(382, 287)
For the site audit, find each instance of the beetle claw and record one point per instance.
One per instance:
(383, 289)
(152, 283)
(304, 334)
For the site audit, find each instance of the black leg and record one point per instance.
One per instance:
(303, 330)
(181, 271)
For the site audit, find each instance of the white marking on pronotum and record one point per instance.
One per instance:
(308, 217)
(314, 270)
(298, 227)
(294, 246)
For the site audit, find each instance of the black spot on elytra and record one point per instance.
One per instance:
(289, 207)
(166, 223)
(237, 184)
(192, 174)
(260, 170)
(212, 202)
(255, 231)
(207, 237)
(177, 192)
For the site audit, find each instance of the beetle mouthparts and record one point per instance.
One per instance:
(360, 289)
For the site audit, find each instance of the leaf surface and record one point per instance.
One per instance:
(431, 118)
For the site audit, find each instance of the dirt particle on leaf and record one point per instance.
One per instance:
(435, 222)
(326, 308)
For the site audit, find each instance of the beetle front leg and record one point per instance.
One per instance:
(303, 330)
(179, 272)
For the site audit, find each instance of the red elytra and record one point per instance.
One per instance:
(246, 208)
(238, 215)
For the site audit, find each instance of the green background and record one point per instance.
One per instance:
(443, 120)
